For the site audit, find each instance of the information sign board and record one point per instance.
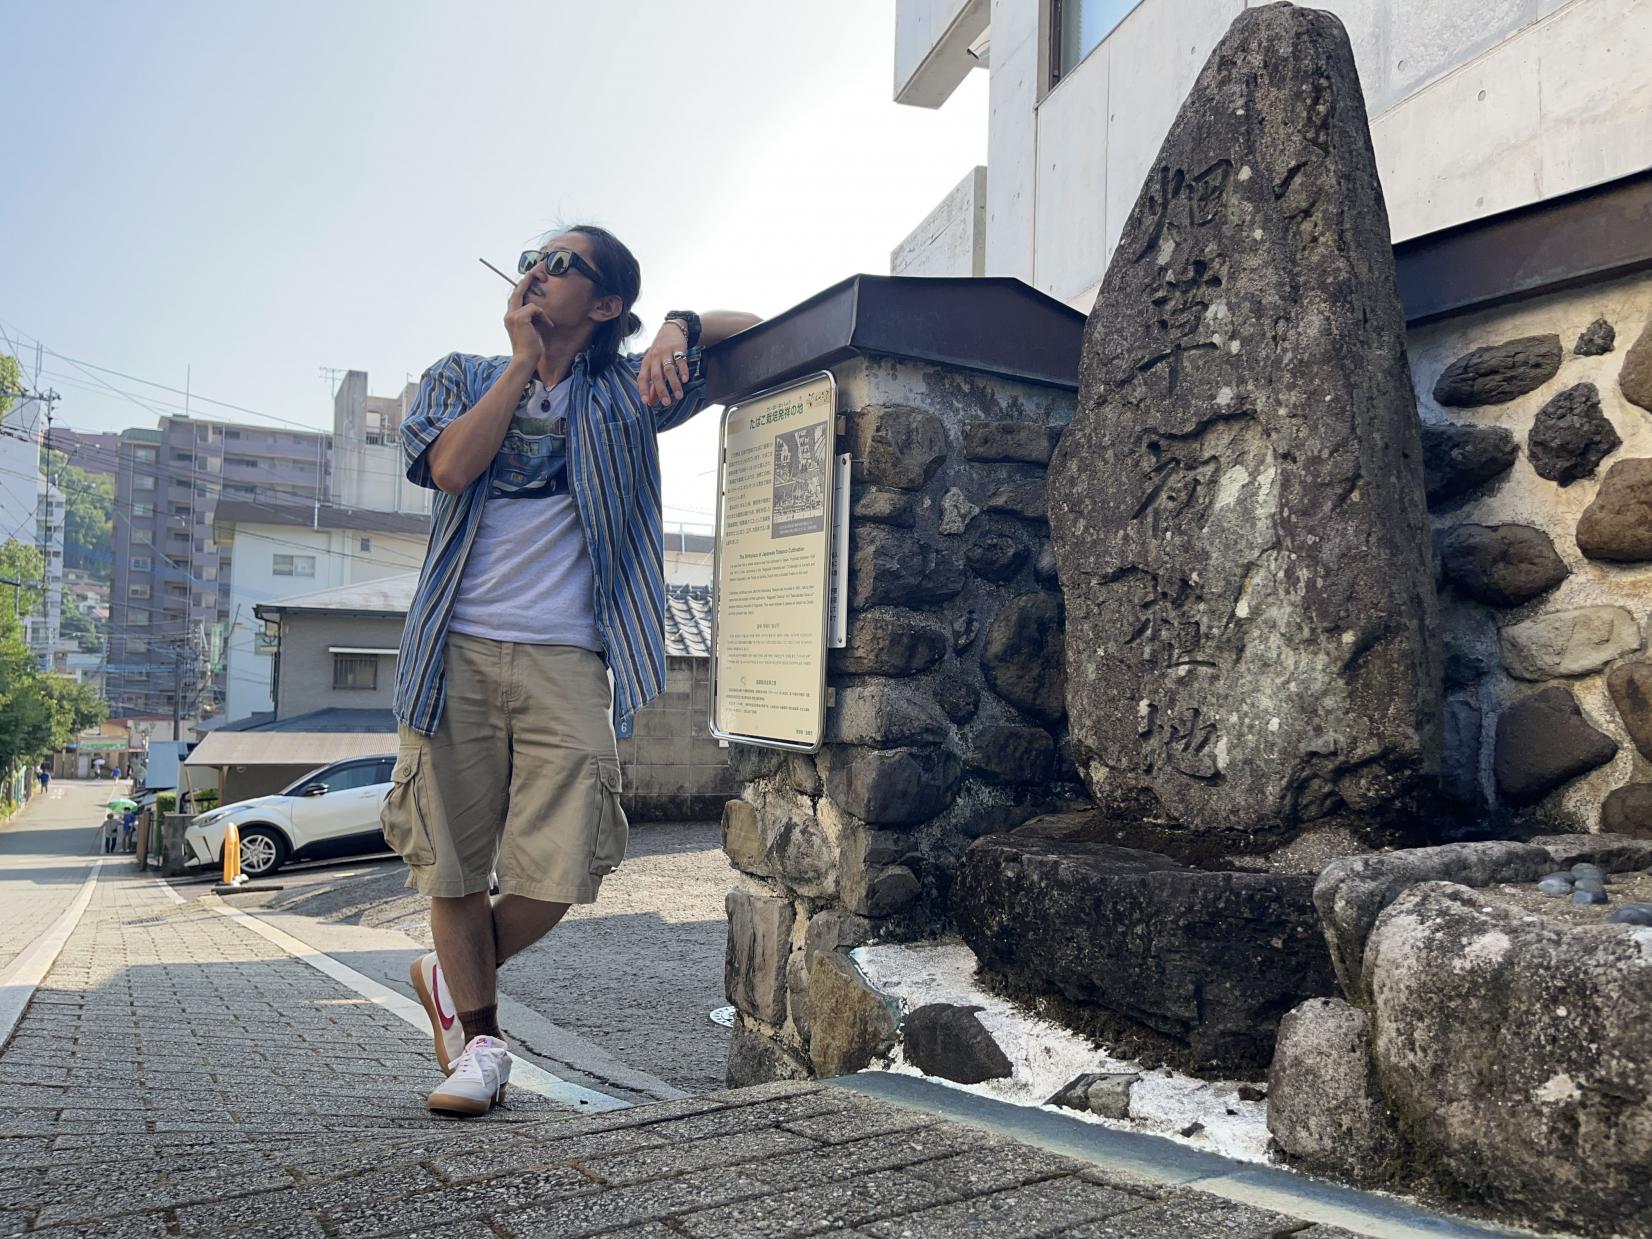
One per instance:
(778, 535)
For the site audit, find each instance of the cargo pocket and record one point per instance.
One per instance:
(612, 828)
(401, 817)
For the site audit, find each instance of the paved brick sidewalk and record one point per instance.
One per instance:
(170, 1053)
(46, 852)
(177, 1075)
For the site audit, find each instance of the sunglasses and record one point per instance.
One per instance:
(557, 262)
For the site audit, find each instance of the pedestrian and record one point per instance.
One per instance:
(111, 830)
(117, 774)
(128, 830)
(45, 777)
(97, 767)
(536, 630)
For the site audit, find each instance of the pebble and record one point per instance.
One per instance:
(1590, 884)
(1555, 884)
(1582, 896)
(1587, 869)
(1632, 914)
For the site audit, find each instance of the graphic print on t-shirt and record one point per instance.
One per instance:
(532, 462)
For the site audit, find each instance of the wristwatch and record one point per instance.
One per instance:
(690, 322)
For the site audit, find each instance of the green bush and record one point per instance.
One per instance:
(166, 802)
(206, 798)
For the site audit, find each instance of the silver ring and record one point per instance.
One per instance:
(679, 356)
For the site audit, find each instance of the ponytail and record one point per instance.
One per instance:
(623, 279)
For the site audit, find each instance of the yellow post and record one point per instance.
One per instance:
(232, 854)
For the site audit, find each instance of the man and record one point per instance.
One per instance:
(536, 629)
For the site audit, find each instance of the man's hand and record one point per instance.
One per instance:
(526, 324)
(664, 367)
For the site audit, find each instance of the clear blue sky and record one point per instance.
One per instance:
(257, 191)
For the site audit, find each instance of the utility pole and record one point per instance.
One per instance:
(177, 688)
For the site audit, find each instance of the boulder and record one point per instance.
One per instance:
(1635, 379)
(896, 445)
(1499, 373)
(882, 506)
(1325, 1105)
(1023, 660)
(1516, 1053)
(895, 787)
(850, 1022)
(890, 642)
(1571, 436)
(1627, 810)
(1596, 339)
(1504, 565)
(946, 1040)
(1206, 961)
(885, 714)
(1024, 499)
(1630, 684)
(754, 966)
(1543, 742)
(1005, 441)
(1352, 892)
(1240, 489)
(1571, 642)
(1003, 754)
(1106, 1093)
(891, 567)
(957, 510)
(995, 556)
(1617, 526)
(1459, 459)
(756, 1059)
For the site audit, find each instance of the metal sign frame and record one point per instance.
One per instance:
(834, 594)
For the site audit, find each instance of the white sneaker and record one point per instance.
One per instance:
(430, 985)
(477, 1081)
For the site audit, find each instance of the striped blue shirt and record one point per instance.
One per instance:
(614, 476)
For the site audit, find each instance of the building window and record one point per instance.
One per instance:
(367, 544)
(294, 565)
(138, 590)
(355, 671)
(240, 462)
(232, 434)
(143, 537)
(144, 481)
(137, 617)
(144, 510)
(140, 563)
(241, 490)
(1077, 28)
(145, 455)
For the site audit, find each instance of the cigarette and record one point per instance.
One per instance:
(497, 271)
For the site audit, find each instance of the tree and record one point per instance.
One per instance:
(88, 516)
(28, 720)
(11, 382)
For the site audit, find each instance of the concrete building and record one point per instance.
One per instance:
(95, 452)
(43, 629)
(368, 471)
(20, 477)
(169, 600)
(1477, 107)
(273, 551)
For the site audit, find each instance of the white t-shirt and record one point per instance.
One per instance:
(528, 577)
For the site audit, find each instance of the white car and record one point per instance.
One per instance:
(333, 811)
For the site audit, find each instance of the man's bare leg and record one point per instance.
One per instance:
(475, 935)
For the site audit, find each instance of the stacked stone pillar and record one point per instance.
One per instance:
(946, 718)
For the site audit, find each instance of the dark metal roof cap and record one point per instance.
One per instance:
(997, 326)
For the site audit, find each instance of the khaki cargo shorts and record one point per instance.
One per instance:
(522, 777)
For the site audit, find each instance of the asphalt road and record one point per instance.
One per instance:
(636, 974)
(41, 851)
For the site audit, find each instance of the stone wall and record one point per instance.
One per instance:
(675, 769)
(948, 720)
(1538, 444)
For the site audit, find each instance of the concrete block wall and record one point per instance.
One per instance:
(674, 768)
(949, 715)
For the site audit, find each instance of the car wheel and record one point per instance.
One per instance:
(263, 851)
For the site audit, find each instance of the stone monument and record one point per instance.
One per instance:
(1237, 508)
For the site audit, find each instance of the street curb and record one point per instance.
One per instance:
(1161, 1161)
(28, 970)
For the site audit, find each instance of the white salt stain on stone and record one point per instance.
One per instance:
(1224, 397)
(1044, 1056)
(1557, 1088)
(1244, 173)
(1233, 481)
